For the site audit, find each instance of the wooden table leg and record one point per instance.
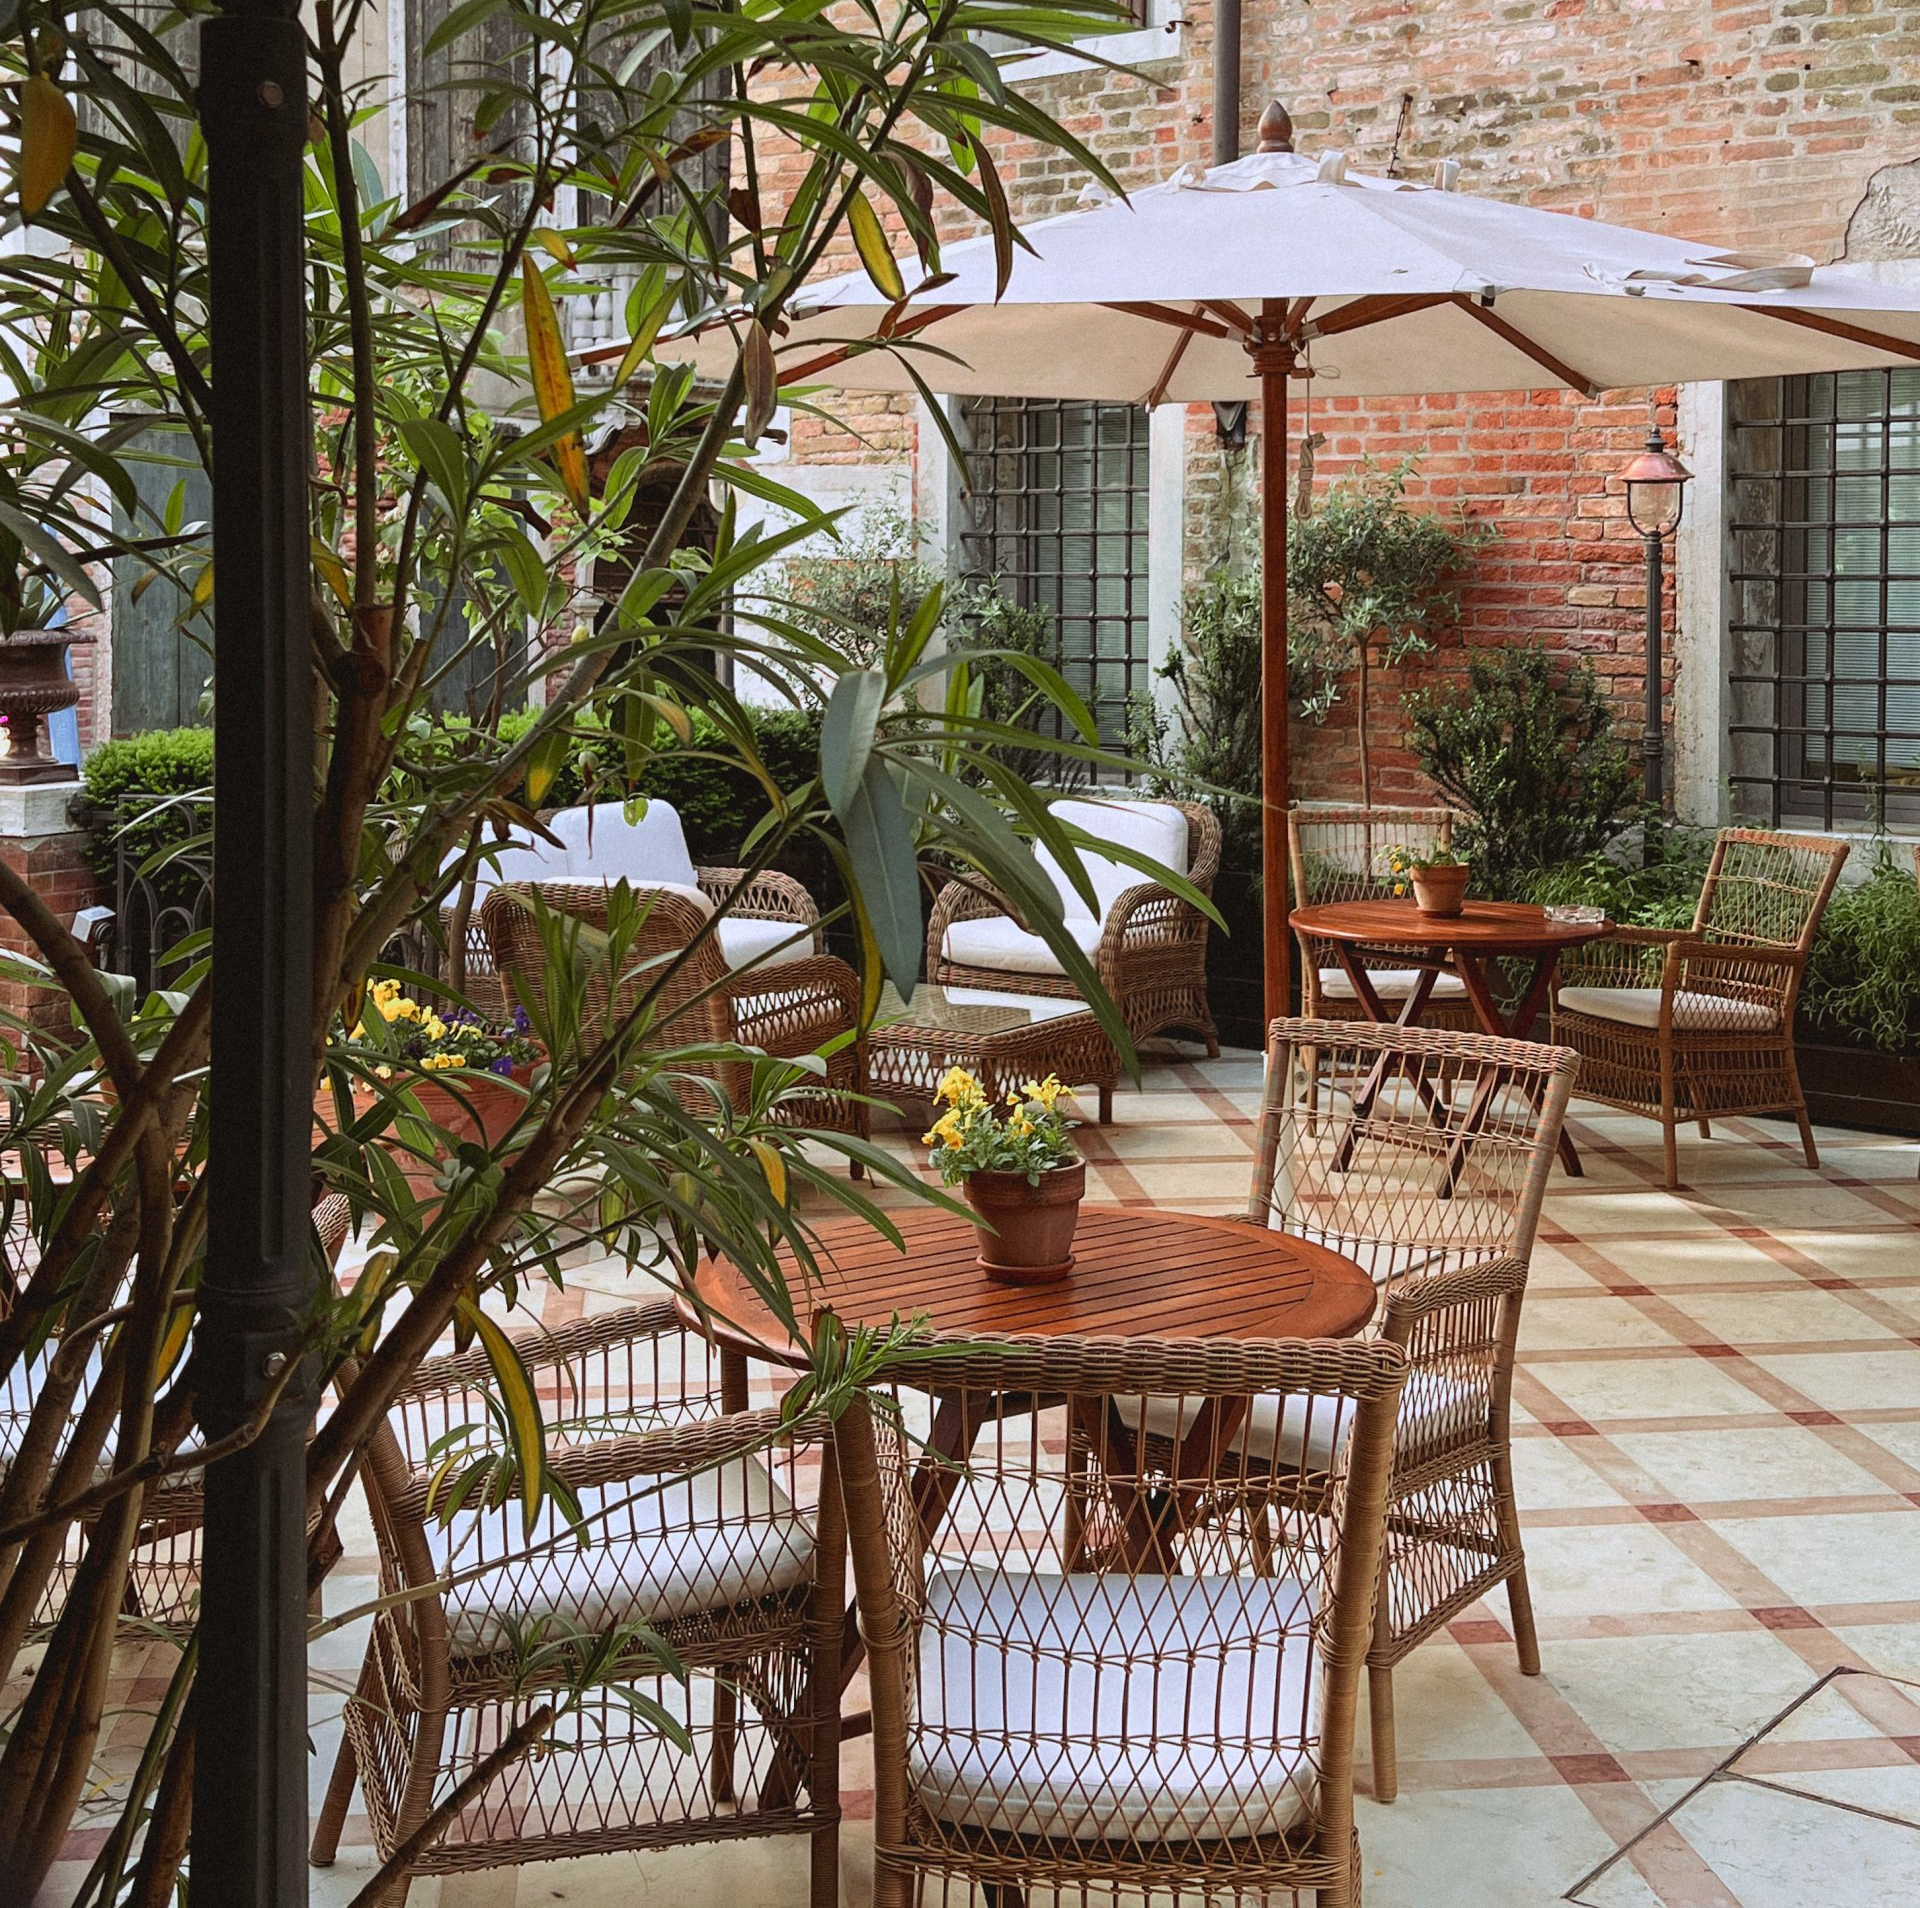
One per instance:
(1539, 990)
(1375, 1009)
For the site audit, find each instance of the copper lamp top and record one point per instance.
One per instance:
(1657, 465)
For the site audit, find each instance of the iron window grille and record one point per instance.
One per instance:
(1824, 682)
(1056, 519)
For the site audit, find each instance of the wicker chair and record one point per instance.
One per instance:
(1424, 1155)
(1148, 947)
(1691, 1023)
(699, 1529)
(1107, 1675)
(768, 916)
(163, 1570)
(789, 1007)
(1340, 854)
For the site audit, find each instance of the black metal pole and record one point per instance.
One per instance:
(1653, 736)
(250, 1774)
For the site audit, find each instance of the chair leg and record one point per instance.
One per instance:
(1106, 1106)
(1003, 1895)
(1671, 1145)
(1526, 1638)
(1806, 1138)
(824, 1878)
(1520, 1608)
(1706, 1129)
(1386, 1765)
(726, 1730)
(346, 1771)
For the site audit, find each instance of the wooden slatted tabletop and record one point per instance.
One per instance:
(1136, 1274)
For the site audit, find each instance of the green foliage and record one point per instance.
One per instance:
(1213, 739)
(1863, 975)
(1526, 748)
(138, 782)
(1369, 582)
(980, 619)
(848, 598)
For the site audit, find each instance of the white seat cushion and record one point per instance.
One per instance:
(1390, 983)
(702, 1542)
(1640, 1007)
(1434, 1411)
(1155, 829)
(1105, 1706)
(755, 943)
(601, 841)
(998, 942)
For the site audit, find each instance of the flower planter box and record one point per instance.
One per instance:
(1859, 1086)
(483, 1109)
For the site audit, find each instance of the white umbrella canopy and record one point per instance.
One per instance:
(1412, 289)
(1281, 266)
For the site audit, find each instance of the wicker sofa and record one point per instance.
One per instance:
(1148, 946)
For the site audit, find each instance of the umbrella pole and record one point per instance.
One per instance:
(1273, 361)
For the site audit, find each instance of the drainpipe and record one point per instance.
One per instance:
(1226, 81)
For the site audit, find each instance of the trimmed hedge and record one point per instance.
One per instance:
(718, 802)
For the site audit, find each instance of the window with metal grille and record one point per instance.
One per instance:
(1057, 520)
(1824, 686)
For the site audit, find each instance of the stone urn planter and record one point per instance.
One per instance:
(33, 685)
(1440, 889)
(1032, 1227)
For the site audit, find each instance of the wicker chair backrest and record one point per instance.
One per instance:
(1086, 1635)
(1768, 890)
(1412, 1150)
(1340, 854)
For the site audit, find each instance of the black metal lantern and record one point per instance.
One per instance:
(1656, 483)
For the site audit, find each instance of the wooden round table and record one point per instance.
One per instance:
(1399, 933)
(1136, 1274)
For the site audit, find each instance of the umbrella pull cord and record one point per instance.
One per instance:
(1310, 441)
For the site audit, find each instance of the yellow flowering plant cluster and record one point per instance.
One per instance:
(417, 1033)
(1027, 1133)
(1397, 865)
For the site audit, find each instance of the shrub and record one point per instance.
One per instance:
(1526, 749)
(1863, 976)
(980, 618)
(846, 598)
(140, 778)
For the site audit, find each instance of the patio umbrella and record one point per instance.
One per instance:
(1279, 266)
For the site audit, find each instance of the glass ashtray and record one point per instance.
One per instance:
(1576, 914)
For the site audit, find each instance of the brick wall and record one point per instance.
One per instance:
(56, 866)
(1776, 123)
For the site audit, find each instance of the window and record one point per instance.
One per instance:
(1825, 678)
(1057, 518)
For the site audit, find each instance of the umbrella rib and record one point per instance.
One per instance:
(1839, 328)
(1188, 321)
(1230, 314)
(1167, 370)
(1372, 311)
(1514, 336)
(905, 328)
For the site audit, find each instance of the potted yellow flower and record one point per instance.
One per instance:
(1019, 1170)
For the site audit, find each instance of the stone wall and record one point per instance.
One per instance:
(1775, 123)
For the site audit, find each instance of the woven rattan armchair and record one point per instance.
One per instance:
(789, 1007)
(1424, 1155)
(1148, 946)
(1692, 1023)
(1340, 854)
(765, 916)
(163, 1569)
(702, 1527)
(1092, 1674)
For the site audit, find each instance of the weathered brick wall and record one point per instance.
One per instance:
(1774, 123)
(57, 868)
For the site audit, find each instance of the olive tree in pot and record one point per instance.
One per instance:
(1376, 581)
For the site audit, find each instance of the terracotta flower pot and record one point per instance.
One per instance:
(482, 1110)
(1440, 891)
(1031, 1241)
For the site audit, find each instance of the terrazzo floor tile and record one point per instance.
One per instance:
(1704, 1533)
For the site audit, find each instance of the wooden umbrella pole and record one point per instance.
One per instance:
(1274, 361)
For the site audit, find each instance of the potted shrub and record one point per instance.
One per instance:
(1437, 877)
(467, 1078)
(1019, 1170)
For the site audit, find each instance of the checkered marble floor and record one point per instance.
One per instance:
(1718, 1452)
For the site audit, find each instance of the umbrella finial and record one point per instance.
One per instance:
(1276, 128)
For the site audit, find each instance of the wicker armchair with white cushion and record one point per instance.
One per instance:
(769, 916)
(1343, 854)
(719, 1534)
(788, 1008)
(1148, 946)
(1153, 1695)
(1692, 1023)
